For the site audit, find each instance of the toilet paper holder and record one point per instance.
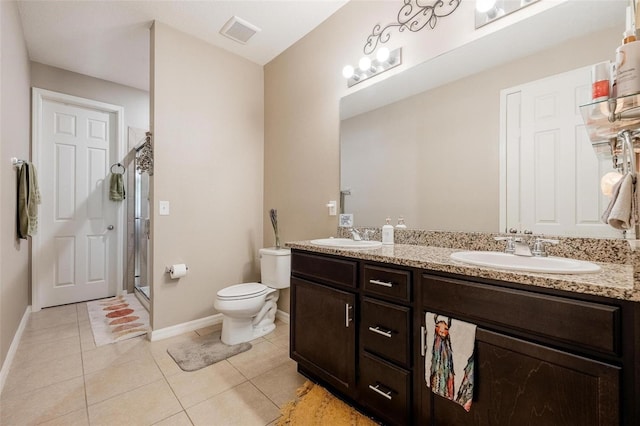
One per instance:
(176, 271)
(167, 269)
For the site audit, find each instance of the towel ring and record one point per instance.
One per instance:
(118, 172)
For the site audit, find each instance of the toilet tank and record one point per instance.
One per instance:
(275, 267)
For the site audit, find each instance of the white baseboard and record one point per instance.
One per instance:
(282, 316)
(6, 365)
(185, 327)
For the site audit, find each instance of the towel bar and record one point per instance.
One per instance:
(117, 165)
(17, 162)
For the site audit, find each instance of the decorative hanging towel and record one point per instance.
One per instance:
(449, 358)
(28, 200)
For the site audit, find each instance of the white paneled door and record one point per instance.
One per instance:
(76, 253)
(552, 173)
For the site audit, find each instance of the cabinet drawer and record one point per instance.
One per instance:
(384, 330)
(324, 269)
(385, 389)
(392, 283)
(585, 324)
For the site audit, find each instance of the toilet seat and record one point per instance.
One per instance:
(243, 291)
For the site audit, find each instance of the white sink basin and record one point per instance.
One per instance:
(547, 265)
(346, 243)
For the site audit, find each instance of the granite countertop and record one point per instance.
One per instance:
(615, 280)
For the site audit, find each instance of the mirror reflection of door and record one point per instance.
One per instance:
(141, 230)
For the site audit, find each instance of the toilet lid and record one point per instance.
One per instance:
(243, 291)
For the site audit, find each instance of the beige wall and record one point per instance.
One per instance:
(434, 157)
(14, 142)
(207, 119)
(134, 101)
(136, 115)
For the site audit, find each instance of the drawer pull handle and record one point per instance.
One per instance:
(380, 331)
(347, 316)
(382, 283)
(377, 390)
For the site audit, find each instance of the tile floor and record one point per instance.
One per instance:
(59, 377)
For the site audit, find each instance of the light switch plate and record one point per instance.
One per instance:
(333, 207)
(164, 208)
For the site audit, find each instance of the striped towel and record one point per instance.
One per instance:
(449, 358)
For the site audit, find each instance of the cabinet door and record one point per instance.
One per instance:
(323, 332)
(522, 383)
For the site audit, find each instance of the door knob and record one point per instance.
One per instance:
(110, 227)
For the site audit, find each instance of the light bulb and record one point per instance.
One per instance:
(483, 6)
(494, 13)
(382, 54)
(364, 64)
(608, 181)
(347, 71)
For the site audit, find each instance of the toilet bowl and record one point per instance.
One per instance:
(249, 309)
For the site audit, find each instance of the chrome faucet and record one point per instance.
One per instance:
(515, 245)
(519, 247)
(511, 243)
(355, 234)
(539, 249)
(522, 248)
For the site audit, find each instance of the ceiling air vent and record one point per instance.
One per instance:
(239, 30)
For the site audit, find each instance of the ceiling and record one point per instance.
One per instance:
(109, 39)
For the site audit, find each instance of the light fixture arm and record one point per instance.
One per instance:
(413, 16)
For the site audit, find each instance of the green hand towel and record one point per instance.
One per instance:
(28, 200)
(116, 187)
(23, 200)
(34, 200)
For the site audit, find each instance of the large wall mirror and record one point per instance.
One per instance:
(433, 156)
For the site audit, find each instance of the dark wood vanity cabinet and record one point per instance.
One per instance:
(542, 357)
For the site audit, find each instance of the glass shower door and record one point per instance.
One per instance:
(141, 233)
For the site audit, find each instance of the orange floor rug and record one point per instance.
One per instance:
(117, 318)
(315, 406)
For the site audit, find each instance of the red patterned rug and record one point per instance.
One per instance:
(117, 318)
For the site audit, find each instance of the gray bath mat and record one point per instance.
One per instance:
(204, 351)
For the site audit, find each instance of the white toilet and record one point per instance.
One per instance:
(249, 310)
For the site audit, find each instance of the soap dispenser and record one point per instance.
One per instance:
(401, 224)
(387, 233)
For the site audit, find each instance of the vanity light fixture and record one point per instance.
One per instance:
(367, 67)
